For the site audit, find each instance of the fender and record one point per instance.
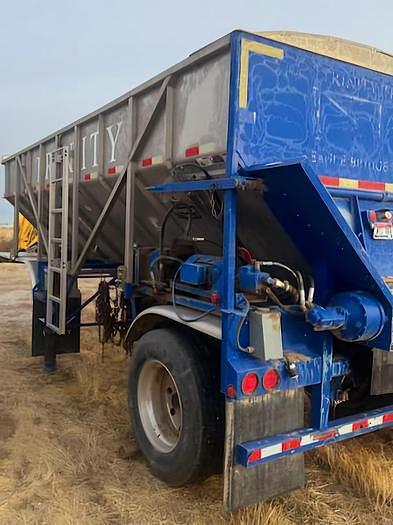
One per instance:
(151, 317)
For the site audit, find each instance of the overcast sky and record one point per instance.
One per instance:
(60, 60)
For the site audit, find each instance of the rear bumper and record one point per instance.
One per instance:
(253, 453)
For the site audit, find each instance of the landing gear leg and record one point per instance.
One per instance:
(50, 354)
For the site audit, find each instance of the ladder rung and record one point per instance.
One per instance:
(57, 210)
(54, 269)
(54, 298)
(53, 327)
(56, 180)
(56, 239)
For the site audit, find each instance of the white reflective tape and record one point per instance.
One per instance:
(207, 148)
(345, 429)
(375, 421)
(271, 450)
(157, 160)
(307, 440)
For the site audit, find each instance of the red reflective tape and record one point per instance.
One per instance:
(388, 418)
(371, 185)
(87, 176)
(329, 181)
(358, 425)
(255, 455)
(111, 170)
(290, 444)
(192, 151)
(147, 162)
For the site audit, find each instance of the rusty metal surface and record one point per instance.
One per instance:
(255, 418)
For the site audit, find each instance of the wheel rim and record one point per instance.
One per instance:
(159, 406)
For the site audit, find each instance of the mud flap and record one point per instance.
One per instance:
(255, 418)
(382, 373)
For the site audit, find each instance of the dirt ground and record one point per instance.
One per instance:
(68, 456)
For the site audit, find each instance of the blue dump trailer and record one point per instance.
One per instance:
(239, 210)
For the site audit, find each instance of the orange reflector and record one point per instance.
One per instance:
(270, 379)
(215, 298)
(231, 392)
(327, 435)
(249, 383)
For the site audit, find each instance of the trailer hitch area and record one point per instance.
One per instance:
(351, 316)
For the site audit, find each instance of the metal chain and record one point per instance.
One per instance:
(110, 314)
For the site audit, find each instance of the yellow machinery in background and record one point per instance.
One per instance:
(27, 237)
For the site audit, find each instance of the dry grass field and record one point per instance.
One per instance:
(6, 233)
(68, 457)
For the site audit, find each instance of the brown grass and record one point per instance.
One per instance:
(366, 464)
(68, 456)
(6, 233)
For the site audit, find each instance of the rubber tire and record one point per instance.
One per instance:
(199, 451)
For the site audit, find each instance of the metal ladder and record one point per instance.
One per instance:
(56, 302)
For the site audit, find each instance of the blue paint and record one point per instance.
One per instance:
(320, 232)
(229, 316)
(251, 280)
(354, 316)
(337, 115)
(128, 290)
(200, 270)
(330, 318)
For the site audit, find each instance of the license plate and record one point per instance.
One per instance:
(383, 233)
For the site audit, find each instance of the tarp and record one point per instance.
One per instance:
(338, 48)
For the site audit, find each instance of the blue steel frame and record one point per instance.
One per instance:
(240, 160)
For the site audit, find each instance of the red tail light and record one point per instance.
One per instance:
(271, 379)
(250, 383)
